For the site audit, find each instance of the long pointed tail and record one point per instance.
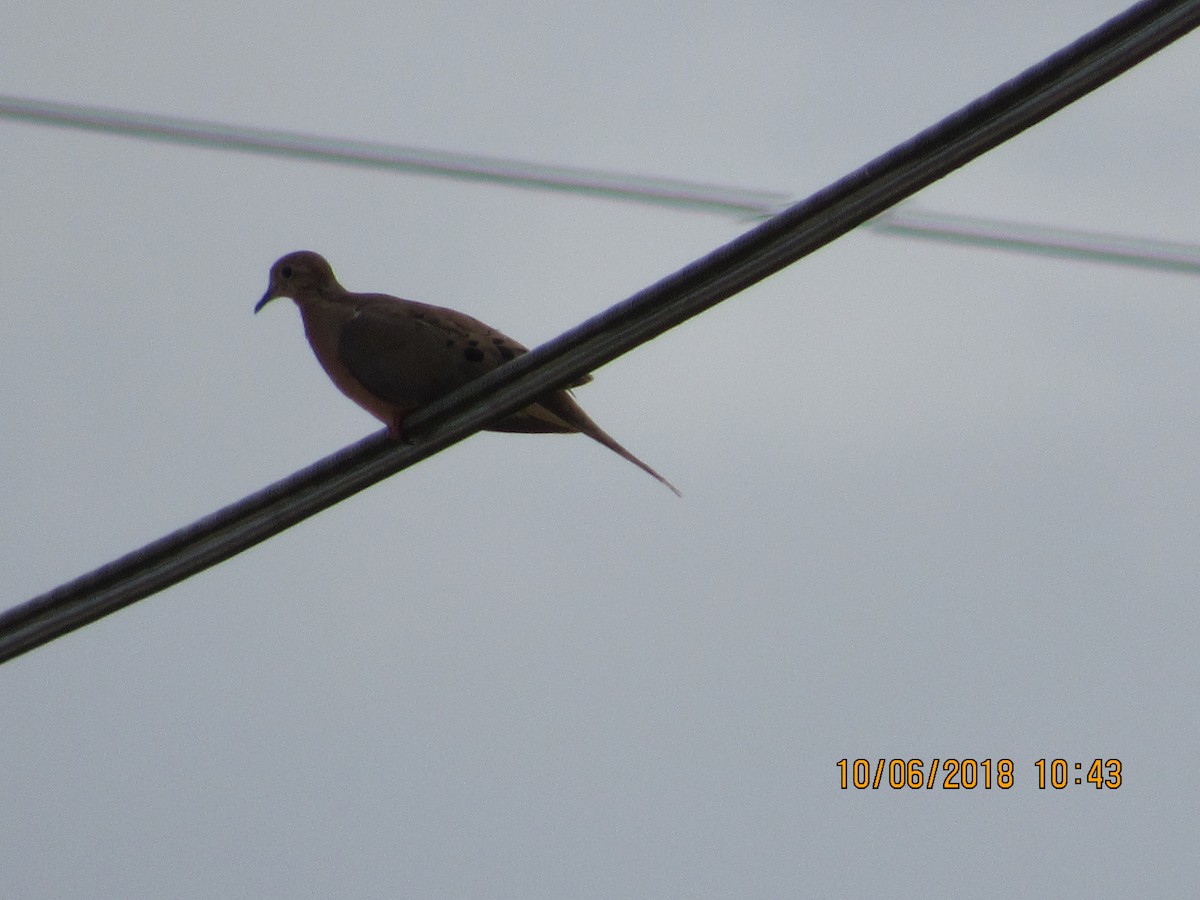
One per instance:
(563, 406)
(598, 434)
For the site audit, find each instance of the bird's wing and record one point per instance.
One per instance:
(410, 353)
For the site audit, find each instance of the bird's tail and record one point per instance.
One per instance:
(563, 406)
(597, 433)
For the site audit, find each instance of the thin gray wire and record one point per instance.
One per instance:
(200, 133)
(1006, 111)
(741, 202)
(1066, 242)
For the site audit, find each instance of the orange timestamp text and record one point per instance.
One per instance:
(966, 773)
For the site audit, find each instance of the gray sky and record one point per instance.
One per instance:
(939, 501)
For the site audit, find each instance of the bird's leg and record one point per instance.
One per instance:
(395, 427)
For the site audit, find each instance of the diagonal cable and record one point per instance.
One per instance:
(741, 202)
(1094, 246)
(1009, 109)
(197, 132)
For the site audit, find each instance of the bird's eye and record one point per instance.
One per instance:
(286, 271)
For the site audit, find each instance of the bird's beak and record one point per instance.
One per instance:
(266, 298)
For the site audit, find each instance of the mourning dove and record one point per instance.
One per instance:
(393, 356)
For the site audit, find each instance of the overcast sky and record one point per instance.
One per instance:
(938, 501)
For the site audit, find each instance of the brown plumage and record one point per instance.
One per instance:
(393, 356)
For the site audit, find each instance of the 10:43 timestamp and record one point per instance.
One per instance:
(1058, 773)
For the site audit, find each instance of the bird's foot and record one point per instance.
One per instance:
(396, 430)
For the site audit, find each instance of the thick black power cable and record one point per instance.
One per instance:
(1009, 109)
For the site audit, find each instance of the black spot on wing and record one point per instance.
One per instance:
(506, 352)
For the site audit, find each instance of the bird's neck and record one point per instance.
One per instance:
(323, 320)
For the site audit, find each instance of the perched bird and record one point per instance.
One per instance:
(393, 356)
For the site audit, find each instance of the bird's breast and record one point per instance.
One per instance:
(323, 324)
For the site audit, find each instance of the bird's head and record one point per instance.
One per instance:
(298, 275)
